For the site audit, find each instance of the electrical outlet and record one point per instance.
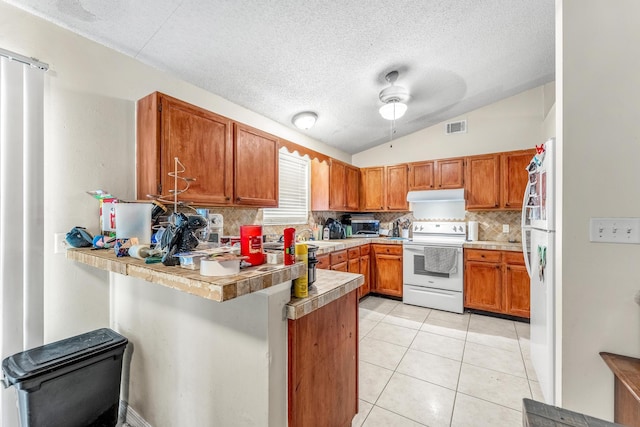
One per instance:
(59, 243)
(614, 230)
(505, 228)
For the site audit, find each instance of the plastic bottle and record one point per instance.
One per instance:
(301, 284)
(289, 246)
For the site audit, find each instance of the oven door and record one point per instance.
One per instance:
(415, 274)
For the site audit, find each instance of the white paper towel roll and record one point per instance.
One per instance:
(472, 231)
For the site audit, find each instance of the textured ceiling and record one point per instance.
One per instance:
(278, 58)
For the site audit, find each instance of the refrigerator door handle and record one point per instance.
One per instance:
(525, 228)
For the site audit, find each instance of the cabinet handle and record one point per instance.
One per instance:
(508, 267)
(506, 204)
(497, 267)
(238, 199)
(227, 198)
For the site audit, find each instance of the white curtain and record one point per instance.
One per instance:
(21, 215)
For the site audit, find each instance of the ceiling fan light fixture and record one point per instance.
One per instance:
(394, 98)
(393, 110)
(305, 120)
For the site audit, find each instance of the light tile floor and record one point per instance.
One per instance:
(424, 367)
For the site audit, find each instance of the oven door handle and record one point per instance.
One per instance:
(421, 248)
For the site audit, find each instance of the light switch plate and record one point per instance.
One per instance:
(614, 230)
(505, 228)
(59, 243)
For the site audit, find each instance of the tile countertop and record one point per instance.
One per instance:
(326, 246)
(329, 285)
(216, 288)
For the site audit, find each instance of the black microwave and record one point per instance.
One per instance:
(365, 228)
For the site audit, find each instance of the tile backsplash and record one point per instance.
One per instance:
(489, 222)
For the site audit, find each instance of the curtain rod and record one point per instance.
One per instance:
(33, 62)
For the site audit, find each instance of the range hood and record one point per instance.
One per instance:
(426, 196)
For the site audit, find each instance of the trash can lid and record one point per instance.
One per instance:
(50, 357)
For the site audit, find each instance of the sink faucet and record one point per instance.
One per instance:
(310, 231)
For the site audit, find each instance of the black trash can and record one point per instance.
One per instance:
(74, 382)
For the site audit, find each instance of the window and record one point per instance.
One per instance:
(293, 204)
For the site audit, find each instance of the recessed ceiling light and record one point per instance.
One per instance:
(305, 120)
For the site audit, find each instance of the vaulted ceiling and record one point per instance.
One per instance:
(279, 58)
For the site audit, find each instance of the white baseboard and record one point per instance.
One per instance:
(131, 417)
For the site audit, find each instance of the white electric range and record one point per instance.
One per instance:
(441, 244)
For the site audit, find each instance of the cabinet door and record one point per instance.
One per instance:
(337, 179)
(516, 284)
(421, 176)
(514, 177)
(483, 182)
(255, 167)
(483, 286)
(202, 142)
(353, 266)
(449, 173)
(397, 188)
(387, 270)
(365, 288)
(352, 188)
(323, 365)
(319, 185)
(373, 188)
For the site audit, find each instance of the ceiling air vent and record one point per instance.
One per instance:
(457, 127)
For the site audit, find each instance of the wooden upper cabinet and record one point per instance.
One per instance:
(397, 188)
(352, 188)
(483, 181)
(449, 173)
(319, 185)
(202, 141)
(514, 177)
(256, 167)
(372, 196)
(436, 174)
(421, 176)
(337, 179)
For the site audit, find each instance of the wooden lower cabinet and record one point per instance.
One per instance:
(496, 281)
(516, 285)
(355, 260)
(323, 365)
(386, 269)
(365, 268)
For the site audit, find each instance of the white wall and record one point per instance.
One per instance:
(90, 94)
(598, 108)
(511, 124)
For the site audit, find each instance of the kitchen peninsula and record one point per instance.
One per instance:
(217, 350)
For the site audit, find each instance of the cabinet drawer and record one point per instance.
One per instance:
(354, 253)
(482, 255)
(338, 257)
(323, 261)
(510, 257)
(343, 266)
(365, 249)
(388, 249)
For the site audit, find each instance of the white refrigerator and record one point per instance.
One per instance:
(538, 242)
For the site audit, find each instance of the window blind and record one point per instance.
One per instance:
(293, 204)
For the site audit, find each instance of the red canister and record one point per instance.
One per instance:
(251, 243)
(289, 246)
